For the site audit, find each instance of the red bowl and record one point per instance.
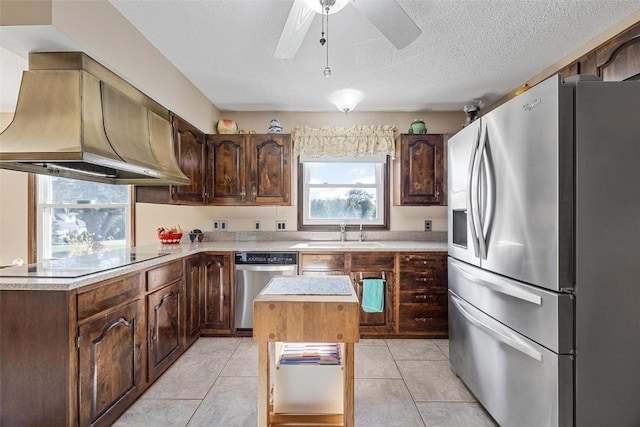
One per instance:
(168, 238)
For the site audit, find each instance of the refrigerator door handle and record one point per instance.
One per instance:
(489, 194)
(471, 205)
(499, 287)
(475, 196)
(516, 344)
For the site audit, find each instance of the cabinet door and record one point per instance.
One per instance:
(422, 170)
(227, 160)
(194, 296)
(217, 293)
(165, 326)
(382, 322)
(189, 146)
(270, 169)
(110, 360)
(375, 265)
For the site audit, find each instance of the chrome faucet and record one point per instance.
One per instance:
(342, 229)
(361, 237)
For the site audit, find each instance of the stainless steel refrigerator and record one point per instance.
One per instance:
(544, 255)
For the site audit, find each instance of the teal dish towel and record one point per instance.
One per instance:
(373, 295)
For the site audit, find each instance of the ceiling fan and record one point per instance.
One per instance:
(387, 15)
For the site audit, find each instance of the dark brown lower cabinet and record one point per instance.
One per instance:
(164, 322)
(111, 364)
(193, 295)
(217, 294)
(423, 285)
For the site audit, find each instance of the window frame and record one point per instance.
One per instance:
(35, 210)
(385, 204)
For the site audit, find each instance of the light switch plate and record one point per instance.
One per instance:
(216, 225)
(281, 225)
(223, 225)
(257, 225)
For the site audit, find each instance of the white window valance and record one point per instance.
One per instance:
(354, 141)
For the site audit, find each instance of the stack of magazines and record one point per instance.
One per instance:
(312, 353)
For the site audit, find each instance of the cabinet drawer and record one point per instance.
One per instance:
(423, 318)
(372, 260)
(422, 261)
(424, 296)
(322, 262)
(107, 295)
(427, 279)
(164, 274)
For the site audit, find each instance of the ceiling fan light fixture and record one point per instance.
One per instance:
(319, 6)
(346, 100)
(327, 71)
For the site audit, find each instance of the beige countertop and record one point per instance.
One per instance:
(177, 251)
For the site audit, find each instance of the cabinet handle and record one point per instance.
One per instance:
(424, 279)
(243, 196)
(421, 296)
(437, 191)
(254, 193)
(424, 319)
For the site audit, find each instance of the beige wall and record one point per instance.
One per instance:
(13, 210)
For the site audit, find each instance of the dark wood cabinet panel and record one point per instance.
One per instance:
(164, 328)
(420, 170)
(194, 298)
(108, 294)
(166, 273)
(217, 294)
(423, 285)
(110, 363)
(189, 145)
(250, 169)
(227, 168)
(270, 160)
(318, 262)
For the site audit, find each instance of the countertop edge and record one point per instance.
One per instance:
(178, 251)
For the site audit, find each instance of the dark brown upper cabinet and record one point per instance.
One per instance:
(250, 169)
(420, 170)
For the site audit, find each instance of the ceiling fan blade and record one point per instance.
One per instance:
(392, 21)
(294, 31)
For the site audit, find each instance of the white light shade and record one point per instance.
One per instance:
(316, 6)
(346, 99)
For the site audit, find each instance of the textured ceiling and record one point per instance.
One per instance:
(467, 50)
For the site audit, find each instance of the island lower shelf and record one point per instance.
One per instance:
(305, 317)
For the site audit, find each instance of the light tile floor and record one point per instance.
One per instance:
(398, 382)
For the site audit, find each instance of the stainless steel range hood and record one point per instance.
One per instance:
(76, 119)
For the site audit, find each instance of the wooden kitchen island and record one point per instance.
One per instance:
(306, 309)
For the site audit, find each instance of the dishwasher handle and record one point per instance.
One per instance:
(271, 268)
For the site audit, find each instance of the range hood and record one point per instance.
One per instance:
(76, 119)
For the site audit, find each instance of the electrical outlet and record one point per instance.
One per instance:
(216, 225)
(281, 225)
(427, 225)
(257, 225)
(223, 225)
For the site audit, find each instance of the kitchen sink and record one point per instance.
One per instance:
(335, 245)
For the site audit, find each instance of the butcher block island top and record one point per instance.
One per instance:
(306, 309)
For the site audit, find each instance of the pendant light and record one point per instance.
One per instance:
(326, 5)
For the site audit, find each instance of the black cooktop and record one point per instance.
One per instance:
(80, 265)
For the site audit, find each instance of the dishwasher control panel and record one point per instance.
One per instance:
(267, 258)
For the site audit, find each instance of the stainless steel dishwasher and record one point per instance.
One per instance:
(253, 271)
